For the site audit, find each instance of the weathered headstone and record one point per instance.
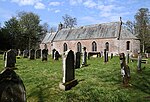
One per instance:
(84, 57)
(139, 62)
(44, 54)
(56, 55)
(53, 51)
(125, 70)
(77, 59)
(68, 71)
(25, 53)
(38, 53)
(10, 59)
(32, 54)
(12, 88)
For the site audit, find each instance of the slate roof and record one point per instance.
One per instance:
(105, 30)
(49, 37)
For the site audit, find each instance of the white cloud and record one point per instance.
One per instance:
(56, 11)
(106, 8)
(36, 3)
(39, 5)
(75, 2)
(54, 3)
(89, 4)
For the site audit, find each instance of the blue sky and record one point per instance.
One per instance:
(86, 11)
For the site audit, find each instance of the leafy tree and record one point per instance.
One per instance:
(12, 28)
(142, 18)
(31, 29)
(69, 21)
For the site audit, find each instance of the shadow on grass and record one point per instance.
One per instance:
(142, 82)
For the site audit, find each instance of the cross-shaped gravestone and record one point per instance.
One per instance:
(68, 71)
(77, 59)
(38, 53)
(44, 54)
(32, 54)
(10, 59)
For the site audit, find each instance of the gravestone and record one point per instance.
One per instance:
(10, 59)
(56, 55)
(77, 59)
(101, 53)
(53, 51)
(84, 57)
(105, 56)
(38, 53)
(12, 88)
(19, 52)
(68, 71)
(32, 54)
(44, 54)
(125, 70)
(139, 62)
(25, 53)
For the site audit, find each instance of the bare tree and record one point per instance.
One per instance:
(69, 21)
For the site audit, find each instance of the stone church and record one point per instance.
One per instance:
(113, 36)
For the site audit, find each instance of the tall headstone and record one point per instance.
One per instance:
(77, 59)
(68, 71)
(10, 59)
(125, 70)
(32, 54)
(38, 53)
(44, 54)
(53, 51)
(25, 53)
(139, 62)
(84, 57)
(56, 55)
(105, 56)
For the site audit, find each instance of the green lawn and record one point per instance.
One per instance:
(98, 82)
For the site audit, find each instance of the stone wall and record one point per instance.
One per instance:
(115, 46)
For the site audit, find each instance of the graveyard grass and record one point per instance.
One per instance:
(98, 82)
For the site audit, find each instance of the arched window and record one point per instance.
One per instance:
(107, 46)
(65, 47)
(79, 47)
(128, 45)
(94, 46)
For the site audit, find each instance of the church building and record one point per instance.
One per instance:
(113, 36)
